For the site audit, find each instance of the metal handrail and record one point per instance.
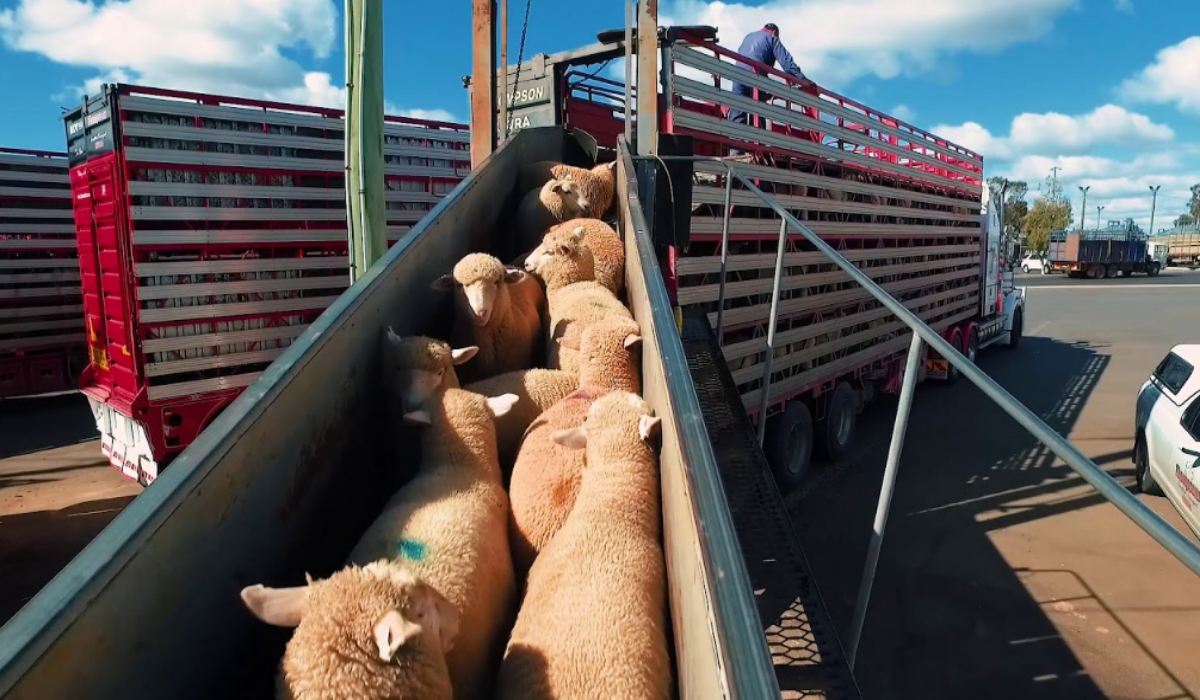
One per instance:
(1159, 529)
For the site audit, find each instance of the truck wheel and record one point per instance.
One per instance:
(1153, 271)
(1141, 467)
(837, 428)
(1025, 269)
(956, 340)
(972, 343)
(1099, 272)
(1018, 326)
(1111, 270)
(789, 445)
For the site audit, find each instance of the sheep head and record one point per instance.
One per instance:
(465, 406)
(417, 366)
(610, 349)
(478, 282)
(562, 257)
(573, 201)
(619, 419)
(407, 625)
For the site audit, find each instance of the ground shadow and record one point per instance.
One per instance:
(31, 425)
(949, 618)
(34, 547)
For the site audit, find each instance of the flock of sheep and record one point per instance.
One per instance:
(525, 559)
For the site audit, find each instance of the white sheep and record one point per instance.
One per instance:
(500, 310)
(603, 576)
(420, 366)
(598, 184)
(379, 632)
(574, 298)
(556, 201)
(545, 475)
(608, 252)
(447, 526)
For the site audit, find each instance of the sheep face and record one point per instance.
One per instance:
(561, 252)
(416, 367)
(478, 282)
(379, 630)
(617, 417)
(567, 191)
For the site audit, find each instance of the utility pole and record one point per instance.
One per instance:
(1153, 204)
(1054, 181)
(1083, 209)
(1099, 210)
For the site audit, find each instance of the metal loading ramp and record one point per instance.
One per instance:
(808, 657)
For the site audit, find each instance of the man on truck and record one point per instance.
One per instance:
(763, 46)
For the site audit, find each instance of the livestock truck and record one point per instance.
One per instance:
(287, 477)
(211, 232)
(1102, 253)
(42, 347)
(901, 203)
(1183, 248)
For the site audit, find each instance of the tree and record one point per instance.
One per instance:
(1044, 216)
(1194, 205)
(1184, 220)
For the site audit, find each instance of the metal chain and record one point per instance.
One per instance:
(520, 55)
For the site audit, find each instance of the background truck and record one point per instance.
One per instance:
(1183, 248)
(901, 203)
(1102, 253)
(42, 347)
(211, 232)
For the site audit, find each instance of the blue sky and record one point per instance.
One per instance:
(1107, 89)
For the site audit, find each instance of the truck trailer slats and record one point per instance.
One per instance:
(766, 261)
(817, 206)
(710, 226)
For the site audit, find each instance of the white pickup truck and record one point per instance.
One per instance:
(1166, 449)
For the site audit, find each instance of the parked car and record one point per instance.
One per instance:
(1034, 263)
(1166, 443)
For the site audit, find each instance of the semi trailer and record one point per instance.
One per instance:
(42, 348)
(285, 478)
(211, 232)
(1183, 248)
(1102, 254)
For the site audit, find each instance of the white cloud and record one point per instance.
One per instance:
(904, 113)
(1173, 78)
(1059, 133)
(223, 47)
(434, 115)
(837, 41)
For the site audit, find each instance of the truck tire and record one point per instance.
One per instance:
(1018, 327)
(1111, 270)
(1153, 270)
(1099, 272)
(956, 340)
(972, 343)
(836, 430)
(789, 445)
(1146, 482)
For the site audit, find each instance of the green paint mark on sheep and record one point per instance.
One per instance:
(411, 550)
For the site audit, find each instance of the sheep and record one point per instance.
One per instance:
(608, 252)
(380, 632)
(545, 475)
(574, 298)
(556, 201)
(501, 311)
(598, 184)
(421, 366)
(448, 525)
(603, 576)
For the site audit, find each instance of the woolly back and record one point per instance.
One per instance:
(611, 349)
(461, 431)
(332, 654)
(621, 466)
(564, 259)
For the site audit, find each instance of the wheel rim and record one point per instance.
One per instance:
(973, 348)
(842, 431)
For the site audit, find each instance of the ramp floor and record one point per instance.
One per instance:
(809, 662)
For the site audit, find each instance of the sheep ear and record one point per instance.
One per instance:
(461, 355)
(648, 426)
(611, 165)
(418, 418)
(282, 607)
(633, 340)
(444, 283)
(512, 275)
(578, 233)
(571, 342)
(392, 632)
(572, 438)
(432, 608)
(502, 404)
(393, 337)
(556, 187)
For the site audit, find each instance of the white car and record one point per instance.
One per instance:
(1166, 442)
(1033, 263)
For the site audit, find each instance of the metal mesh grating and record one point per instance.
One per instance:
(808, 657)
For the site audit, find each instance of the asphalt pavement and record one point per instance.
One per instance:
(1002, 574)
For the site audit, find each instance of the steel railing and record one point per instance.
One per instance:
(1173, 540)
